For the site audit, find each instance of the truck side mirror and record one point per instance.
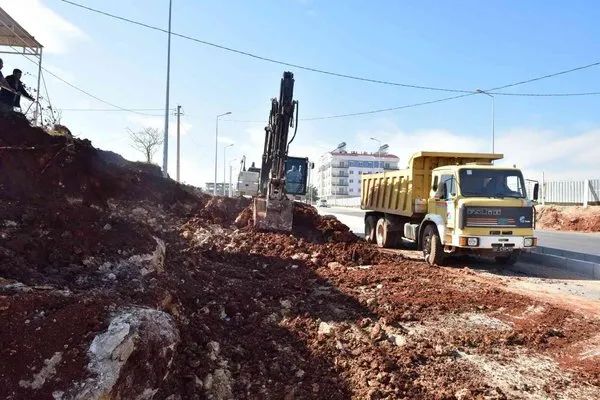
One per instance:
(536, 191)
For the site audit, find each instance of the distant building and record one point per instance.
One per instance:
(209, 187)
(339, 173)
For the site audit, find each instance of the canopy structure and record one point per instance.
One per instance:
(14, 39)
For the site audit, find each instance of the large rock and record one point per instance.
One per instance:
(132, 358)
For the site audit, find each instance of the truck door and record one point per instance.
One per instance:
(449, 181)
(444, 194)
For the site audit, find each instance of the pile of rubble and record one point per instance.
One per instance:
(117, 283)
(568, 218)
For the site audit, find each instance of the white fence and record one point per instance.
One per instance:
(585, 192)
(344, 202)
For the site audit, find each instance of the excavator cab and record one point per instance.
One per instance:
(272, 209)
(275, 213)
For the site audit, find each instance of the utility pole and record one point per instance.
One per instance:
(224, 168)
(217, 149)
(178, 113)
(166, 133)
(378, 152)
(230, 172)
(230, 193)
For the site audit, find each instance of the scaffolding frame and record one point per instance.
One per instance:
(14, 39)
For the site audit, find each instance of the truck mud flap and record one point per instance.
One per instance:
(273, 215)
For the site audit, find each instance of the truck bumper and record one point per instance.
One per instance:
(494, 243)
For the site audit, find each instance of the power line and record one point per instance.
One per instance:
(595, 64)
(84, 91)
(464, 92)
(93, 96)
(341, 75)
(491, 91)
(381, 110)
(546, 94)
(267, 59)
(112, 109)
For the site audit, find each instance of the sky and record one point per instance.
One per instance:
(463, 44)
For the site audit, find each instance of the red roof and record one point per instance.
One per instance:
(359, 154)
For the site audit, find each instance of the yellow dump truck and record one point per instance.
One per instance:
(451, 203)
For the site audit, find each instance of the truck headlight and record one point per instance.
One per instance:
(529, 242)
(468, 241)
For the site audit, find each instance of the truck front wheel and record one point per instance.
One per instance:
(432, 246)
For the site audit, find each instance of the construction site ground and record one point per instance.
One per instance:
(118, 283)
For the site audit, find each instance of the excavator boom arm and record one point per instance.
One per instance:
(272, 209)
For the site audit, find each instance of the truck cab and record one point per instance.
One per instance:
(477, 208)
(451, 203)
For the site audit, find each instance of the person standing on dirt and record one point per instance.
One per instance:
(13, 99)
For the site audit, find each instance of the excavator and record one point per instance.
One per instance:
(279, 174)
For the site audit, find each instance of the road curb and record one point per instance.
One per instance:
(583, 264)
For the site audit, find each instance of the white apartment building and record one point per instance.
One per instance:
(339, 172)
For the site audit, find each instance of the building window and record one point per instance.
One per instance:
(351, 180)
(351, 172)
(351, 190)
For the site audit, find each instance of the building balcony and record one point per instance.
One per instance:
(339, 184)
(340, 175)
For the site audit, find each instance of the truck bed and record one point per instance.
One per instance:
(395, 192)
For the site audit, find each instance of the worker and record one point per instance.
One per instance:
(292, 175)
(13, 98)
(293, 179)
(496, 186)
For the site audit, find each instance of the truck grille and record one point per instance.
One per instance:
(497, 217)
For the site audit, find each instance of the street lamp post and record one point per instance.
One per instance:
(224, 166)
(493, 117)
(230, 173)
(217, 150)
(166, 130)
(378, 151)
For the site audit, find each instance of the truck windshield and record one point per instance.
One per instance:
(491, 183)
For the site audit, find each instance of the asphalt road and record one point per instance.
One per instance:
(587, 243)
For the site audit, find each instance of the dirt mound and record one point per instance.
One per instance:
(222, 210)
(322, 229)
(143, 287)
(568, 218)
(35, 165)
(308, 224)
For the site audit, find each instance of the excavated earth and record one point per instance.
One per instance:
(569, 218)
(117, 283)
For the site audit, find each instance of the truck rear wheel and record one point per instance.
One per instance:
(432, 246)
(370, 229)
(385, 238)
(510, 259)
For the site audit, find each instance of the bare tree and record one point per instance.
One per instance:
(147, 141)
